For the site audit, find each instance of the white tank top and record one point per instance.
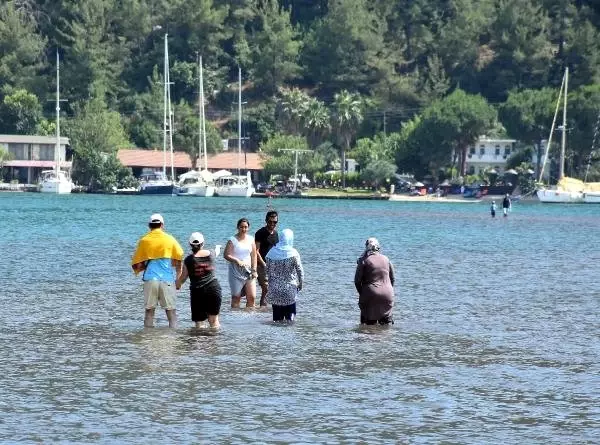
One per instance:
(242, 249)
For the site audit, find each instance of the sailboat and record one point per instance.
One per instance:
(238, 185)
(198, 182)
(57, 180)
(567, 190)
(157, 182)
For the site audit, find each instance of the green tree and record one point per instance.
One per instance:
(198, 26)
(187, 133)
(582, 54)
(275, 48)
(584, 126)
(259, 121)
(527, 115)
(277, 161)
(95, 134)
(460, 40)
(20, 113)
(406, 146)
(21, 48)
(144, 113)
(521, 49)
(292, 107)
(378, 172)
(369, 150)
(346, 117)
(454, 123)
(317, 121)
(345, 49)
(92, 60)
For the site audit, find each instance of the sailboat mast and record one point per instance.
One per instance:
(199, 108)
(203, 119)
(549, 142)
(170, 111)
(165, 71)
(57, 149)
(239, 118)
(563, 141)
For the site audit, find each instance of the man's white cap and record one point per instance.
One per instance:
(157, 218)
(196, 238)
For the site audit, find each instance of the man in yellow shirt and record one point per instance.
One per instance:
(158, 255)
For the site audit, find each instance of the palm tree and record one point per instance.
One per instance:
(316, 121)
(292, 105)
(347, 116)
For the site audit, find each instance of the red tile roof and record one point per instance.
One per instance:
(220, 161)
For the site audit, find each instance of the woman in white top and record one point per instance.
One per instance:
(240, 251)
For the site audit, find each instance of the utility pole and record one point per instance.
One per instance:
(296, 151)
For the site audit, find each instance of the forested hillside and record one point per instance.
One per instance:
(401, 65)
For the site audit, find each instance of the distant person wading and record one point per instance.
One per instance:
(374, 281)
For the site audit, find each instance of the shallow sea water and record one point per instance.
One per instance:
(496, 337)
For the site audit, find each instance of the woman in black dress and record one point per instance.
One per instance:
(205, 290)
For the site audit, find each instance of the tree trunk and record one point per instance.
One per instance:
(463, 160)
(343, 167)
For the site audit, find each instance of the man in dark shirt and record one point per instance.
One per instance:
(506, 204)
(265, 238)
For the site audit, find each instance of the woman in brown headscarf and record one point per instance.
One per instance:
(374, 280)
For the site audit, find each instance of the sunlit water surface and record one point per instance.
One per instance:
(496, 337)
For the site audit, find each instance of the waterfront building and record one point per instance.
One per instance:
(29, 155)
(489, 153)
(147, 160)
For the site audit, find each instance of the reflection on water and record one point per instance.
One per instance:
(495, 337)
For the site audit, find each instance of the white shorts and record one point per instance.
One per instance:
(159, 292)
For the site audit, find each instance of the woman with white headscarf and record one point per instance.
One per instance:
(374, 281)
(286, 276)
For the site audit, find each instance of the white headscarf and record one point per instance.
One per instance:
(371, 246)
(284, 248)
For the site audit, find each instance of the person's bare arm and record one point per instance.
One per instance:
(253, 259)
(138, 267)
(259, 257)
(183, 276)
(228, 254)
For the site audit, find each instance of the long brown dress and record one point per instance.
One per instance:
(374, 280)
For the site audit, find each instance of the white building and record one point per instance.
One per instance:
(32, 154)
(488, 153)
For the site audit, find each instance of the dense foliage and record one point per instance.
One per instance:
(430, 75)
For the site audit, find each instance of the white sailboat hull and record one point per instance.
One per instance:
(196, 190)
(235, 191)
(591, 197)
(560, 196)
(61, 187)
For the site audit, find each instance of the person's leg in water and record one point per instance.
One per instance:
(172, 317)
(149, 318)
(213, 321)
(167, 300)
(235, 301)
(250, 291)
(389, 320)
(290, 312)
(278, 314)
(264, 285)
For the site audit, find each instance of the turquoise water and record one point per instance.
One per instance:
(496, 339)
